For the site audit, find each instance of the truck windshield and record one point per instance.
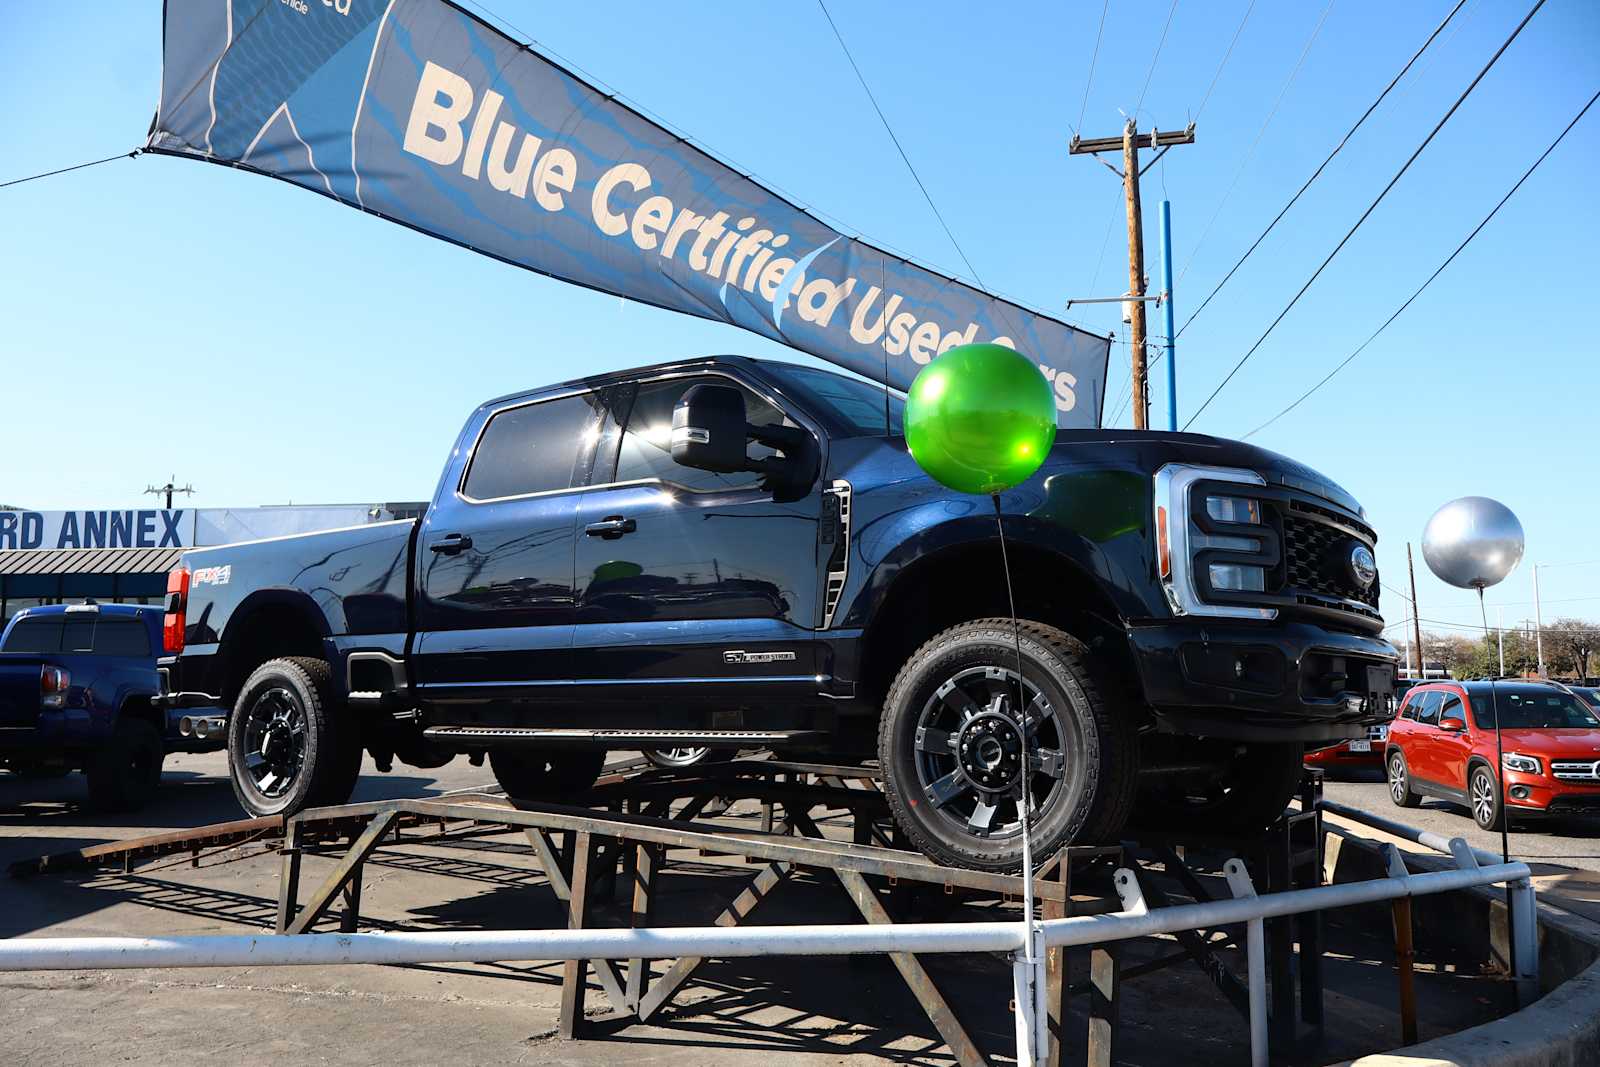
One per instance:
(856, 405)
(1532, 708)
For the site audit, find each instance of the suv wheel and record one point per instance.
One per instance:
(1249, 794)
(125, 773)
(1483, 794)
(288, 746)
(953, 752)
(529, 773)
(687, 756)
(1400, 781)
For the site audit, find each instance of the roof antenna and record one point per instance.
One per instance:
(169, 489)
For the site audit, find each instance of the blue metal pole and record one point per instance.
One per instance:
(1166, 285)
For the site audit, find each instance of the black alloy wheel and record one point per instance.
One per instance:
(961, 734)
(290, 744)
(274, 742)
(970, 743)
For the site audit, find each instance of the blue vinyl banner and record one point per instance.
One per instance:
(418, 111)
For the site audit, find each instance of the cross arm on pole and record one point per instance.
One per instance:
(1080, 146)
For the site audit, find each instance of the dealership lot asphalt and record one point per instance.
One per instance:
(849, 1010)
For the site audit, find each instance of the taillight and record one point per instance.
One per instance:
(53, 685)
(172, 623)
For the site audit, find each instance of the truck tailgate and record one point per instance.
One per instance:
(19, 690)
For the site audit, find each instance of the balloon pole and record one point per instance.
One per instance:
(1499, 748)
(1025, 806)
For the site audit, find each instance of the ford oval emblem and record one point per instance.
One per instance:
(1363, 568)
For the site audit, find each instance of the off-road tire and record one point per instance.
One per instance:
(332, 761)
(1103, 761)
(1263, 779)
(124, 774)
(529, 773)
(1397, 773)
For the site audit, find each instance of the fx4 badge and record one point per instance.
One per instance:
(739, 655)
(213, 575)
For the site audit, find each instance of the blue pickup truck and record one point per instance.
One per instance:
(732, 552)
(77, 689)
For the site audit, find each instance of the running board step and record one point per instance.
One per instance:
(621, 738)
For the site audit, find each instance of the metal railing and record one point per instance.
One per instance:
(1134, 921)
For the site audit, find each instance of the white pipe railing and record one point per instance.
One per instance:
(1136, 920)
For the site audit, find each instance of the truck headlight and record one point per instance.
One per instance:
(1234, 509)
(1208, 538)
(1236, 577)
(1516, 761)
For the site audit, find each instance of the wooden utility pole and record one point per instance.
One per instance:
(1416, 612)
(1129, 144)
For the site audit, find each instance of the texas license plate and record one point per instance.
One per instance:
(1361, 746)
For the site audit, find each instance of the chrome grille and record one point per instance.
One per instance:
(1576, 770)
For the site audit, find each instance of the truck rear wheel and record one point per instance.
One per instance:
(528, 773)
(1247, 796)
(288, 748)
(953, 752)
(125, 773)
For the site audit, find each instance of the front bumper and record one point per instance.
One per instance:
(1278, 681)
(1543, 795)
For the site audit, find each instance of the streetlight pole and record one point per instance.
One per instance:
(1538, 621)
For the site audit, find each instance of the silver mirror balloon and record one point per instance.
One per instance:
(1473, 542)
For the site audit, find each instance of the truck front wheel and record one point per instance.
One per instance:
(528, 773)
(954, 753)
(288, 749)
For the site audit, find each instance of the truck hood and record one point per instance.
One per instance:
(1150, 450)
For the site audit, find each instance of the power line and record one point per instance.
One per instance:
(1206, 99)
(890, 131)
(1093, 59)
(1368, 212)
(1440, 270)
(68, 170)
(1250, 154)
(1173, 10)
(1323, 166)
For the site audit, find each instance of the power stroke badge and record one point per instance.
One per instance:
(739, 655)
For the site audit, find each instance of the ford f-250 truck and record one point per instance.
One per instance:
(732, 552)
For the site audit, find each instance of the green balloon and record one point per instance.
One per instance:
(980, 418)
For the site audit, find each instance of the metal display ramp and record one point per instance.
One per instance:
(604, 863)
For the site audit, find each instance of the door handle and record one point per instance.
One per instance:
(611, 527)
(450, 544)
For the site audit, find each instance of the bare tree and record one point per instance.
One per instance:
(1569, 644)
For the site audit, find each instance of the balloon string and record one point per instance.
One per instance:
(1022, 731)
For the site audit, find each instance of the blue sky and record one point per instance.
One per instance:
(270, 346)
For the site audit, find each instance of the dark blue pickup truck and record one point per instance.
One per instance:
(731, 552)
(77, 689)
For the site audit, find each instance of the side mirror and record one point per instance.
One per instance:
(1452, 726)
(709, 430)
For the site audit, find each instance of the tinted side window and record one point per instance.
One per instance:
(646, 447)
(533, 449)
(1452, 709)
(121, 637)
(35, 635)
(1428, 707)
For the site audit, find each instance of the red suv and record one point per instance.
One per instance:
(1442, 744)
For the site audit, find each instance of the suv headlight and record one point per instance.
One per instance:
(1516, 761)
(1198, 552)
